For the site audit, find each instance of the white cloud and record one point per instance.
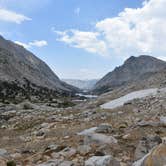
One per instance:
(86, 40)
(10, 16)
(77, 11)
(23, 44)
(134, 31)
(38, 43)
(163, 58)
(35, 43)
(137, 31)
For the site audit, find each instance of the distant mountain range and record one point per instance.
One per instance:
(82, 84)
(23, 74)
(139, 71)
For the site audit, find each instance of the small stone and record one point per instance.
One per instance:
(3, 127)
(40, 133)
(104, 128)
(68, 152)
(84, 149)
(66, 163)
(67, 137)
(16, 156)
(3, 152)
(55, 148)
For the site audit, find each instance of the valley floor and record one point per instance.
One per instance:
(42, 135)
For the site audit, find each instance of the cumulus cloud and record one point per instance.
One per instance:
(137, 31)
(38, 43)
(35, 43)
(23, 44)
(163, 58)
(10, 16)
(85, 40)
(133, 31)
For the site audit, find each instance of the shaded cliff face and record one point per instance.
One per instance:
(23, 70)
(134, 69)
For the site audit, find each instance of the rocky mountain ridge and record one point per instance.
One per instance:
(22, 73)
(133, 71)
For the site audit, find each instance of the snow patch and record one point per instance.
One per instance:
(133, 95)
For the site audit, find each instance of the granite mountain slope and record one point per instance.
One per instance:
(22, 70)
(135, 70)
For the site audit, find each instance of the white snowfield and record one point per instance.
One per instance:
(131, 96)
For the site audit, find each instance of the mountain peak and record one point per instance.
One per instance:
(133, 69)
(21, 69)
(132, 59)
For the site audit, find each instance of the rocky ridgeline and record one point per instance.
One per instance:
(143, 71)
(25, 76)
(41, 134)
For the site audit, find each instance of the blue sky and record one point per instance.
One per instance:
(84, 39)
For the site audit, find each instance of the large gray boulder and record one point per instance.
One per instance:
(90, 137)
(145, 145)
(156, 157)
(104, 128)
(107, 160)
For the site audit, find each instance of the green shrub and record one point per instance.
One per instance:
(11, 163)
